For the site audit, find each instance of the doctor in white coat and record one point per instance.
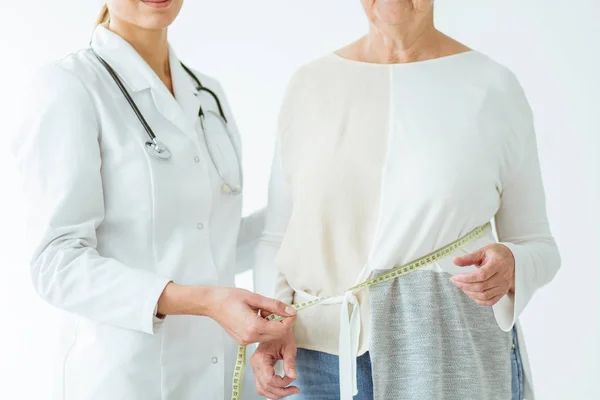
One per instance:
(140, 251)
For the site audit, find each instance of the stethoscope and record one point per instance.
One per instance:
(159, 150)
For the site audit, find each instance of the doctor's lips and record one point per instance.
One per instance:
(157, 3)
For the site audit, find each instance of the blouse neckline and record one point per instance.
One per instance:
(436, 60)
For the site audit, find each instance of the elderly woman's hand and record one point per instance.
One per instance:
(494, 278)
(268, 383)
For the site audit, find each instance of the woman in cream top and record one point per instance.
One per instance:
(380, 161)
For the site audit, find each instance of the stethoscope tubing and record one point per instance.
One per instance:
(200, 87)
(159, 150)
(210, 152)
(134, 106)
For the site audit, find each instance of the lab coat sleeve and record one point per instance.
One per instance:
(58, 154)
(521, 221)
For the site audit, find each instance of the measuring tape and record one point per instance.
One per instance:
(396, 272)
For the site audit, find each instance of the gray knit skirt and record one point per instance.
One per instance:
(429, 341)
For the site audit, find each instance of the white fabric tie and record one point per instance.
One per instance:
(348, 345)
(348, 339)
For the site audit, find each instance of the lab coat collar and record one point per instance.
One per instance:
(124, 59)
(137, 76)
(185, 90)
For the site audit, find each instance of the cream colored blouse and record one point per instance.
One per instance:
(380, 164)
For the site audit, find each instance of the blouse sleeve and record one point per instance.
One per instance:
(268, 281)
(521, 221)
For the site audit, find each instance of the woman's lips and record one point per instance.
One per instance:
(157, 3)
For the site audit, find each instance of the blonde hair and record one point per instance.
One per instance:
(104, 15)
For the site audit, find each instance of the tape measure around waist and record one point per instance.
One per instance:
(396, 272)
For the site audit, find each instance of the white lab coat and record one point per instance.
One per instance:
(110, 226)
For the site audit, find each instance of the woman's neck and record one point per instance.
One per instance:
(400, 44)
(413, 40)
(151, 45)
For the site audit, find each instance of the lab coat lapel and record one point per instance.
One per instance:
(127, 63)
(182, 108)
(185, 92)
(138, 76)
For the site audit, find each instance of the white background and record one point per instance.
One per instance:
(253, 47)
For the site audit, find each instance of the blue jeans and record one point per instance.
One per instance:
(318, 375)
(517, 369)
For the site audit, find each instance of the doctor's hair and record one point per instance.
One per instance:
(104, 15)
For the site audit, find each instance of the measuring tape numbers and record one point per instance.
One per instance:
(396, 272)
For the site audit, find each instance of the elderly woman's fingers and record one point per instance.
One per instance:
(475, 258)
(482, 274)
(277, 381)
(481, 286)
(487, 295)
(259, 387)
(275, 386)
(268, 383)
(490, 302)
(263, 362)
(280, 393)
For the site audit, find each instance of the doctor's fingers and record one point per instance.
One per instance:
(270, 306)
(273, 330)
(253, 329)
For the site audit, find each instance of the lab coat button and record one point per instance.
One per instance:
(197, 159)
(200, 226)
(215, 360)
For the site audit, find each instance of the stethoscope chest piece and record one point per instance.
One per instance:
(158, 150)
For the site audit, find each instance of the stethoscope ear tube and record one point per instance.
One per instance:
(200, 87)
(225, 187)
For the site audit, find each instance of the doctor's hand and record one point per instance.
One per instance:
(268, 383)
(494, 277)
(237, 311)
